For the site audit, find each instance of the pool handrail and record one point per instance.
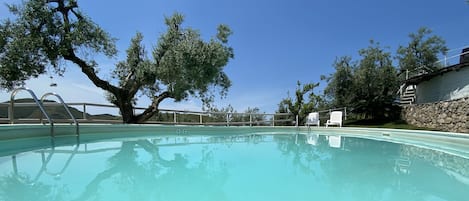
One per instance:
(77, 131)
(38, 103)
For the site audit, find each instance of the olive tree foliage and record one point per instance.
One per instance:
(375, 82)
(46, 32)
(422, 52)
(304, 102)
(340, 89)
(366, 86)
(42, 34)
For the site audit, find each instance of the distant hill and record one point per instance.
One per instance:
(55, 112)
(58, 112)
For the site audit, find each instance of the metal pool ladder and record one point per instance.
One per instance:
(65, 107)
(41, 107)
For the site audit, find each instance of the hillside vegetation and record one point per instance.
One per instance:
(55, 112)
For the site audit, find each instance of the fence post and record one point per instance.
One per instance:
(227, 119)
(174, 118)
(11, 112)
(296, 124)
(273, 120)
(250, 119)
(84, 111)
(200, 117)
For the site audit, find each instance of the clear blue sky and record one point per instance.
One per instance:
(276, 42)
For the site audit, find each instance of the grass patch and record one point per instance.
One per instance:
(397, 124)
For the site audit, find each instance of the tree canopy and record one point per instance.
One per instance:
(367, 86)
(301, 106)
(340, 89)
(420, 55)
(375, 81)
(42, 34)
(182, 64)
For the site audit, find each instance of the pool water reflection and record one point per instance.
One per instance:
(237, 167)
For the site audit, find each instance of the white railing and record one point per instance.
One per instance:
(451, 60)
(324, 114)
(167, 116)
(175, 117)
(446, 61)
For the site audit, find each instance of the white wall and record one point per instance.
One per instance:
(449, 86)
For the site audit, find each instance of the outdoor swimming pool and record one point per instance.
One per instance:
(118, 162)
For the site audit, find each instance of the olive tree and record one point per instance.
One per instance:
(340, 89)
(420, 55)
(305, 101)
(46, 32)
(367, 86)
(375, 82)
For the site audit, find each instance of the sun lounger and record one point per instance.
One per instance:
(335, 119)
(312, 119)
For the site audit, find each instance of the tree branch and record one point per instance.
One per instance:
(127, 79)
(153, 108)
(70, 53)
(53, 1)
(90, 73)
(77, 14)
(131, 84)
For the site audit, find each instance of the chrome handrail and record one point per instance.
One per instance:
(11, 114)
(65, 107)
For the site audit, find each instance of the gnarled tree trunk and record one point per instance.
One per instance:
(127, 110)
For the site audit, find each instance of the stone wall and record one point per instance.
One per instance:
(452, 116)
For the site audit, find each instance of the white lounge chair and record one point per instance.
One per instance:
(312, 119)
(336, 119)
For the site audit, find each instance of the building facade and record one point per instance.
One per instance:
(441, 99)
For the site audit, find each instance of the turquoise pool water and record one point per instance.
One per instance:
(216, 164)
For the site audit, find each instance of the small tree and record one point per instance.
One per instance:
(421, 54)
(47, 32)
(300, 106)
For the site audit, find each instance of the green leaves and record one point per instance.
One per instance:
(366, 85)
(340, 84)
(183, 65)
(41, 35)
(421, 54)
(20, 59)
(187, 65)
(45, 32)
(223, 32)
(301, 106)
(375, 82)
